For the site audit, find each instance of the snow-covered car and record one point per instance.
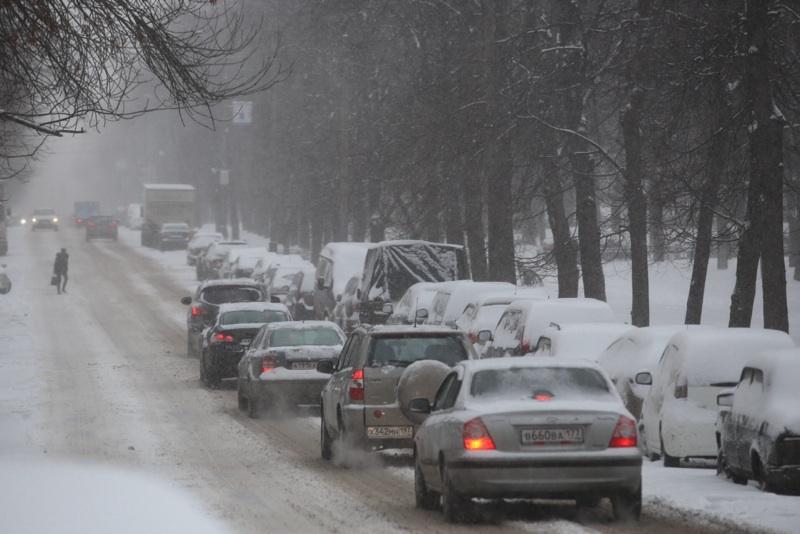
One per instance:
(524, 321)
(281, 365)
(345, 314)
(210, 263)
(680, 410)
(391, 267)
(239, 262)
(337, 264)
(225, 341)
(300, 299)
(759, 425)
(484, 312)
(359, 402)
(199, 242)
(451, 299)
(526, 428)
(263, 264)
(44, 218)
(204, 306)
(578, 341)
(281, 271)
(417, 297)
(636, 350)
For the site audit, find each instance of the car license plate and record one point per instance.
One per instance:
(379, 432)
(304, 365)
(551, 436)
(245, 342)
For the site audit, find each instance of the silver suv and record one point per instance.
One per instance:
(359, 402)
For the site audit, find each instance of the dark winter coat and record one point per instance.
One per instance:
(61, 265)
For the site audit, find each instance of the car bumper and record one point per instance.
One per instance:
(785, 477)
(297, 387)
(226, 361)
(44, 224)
(358, 418)
(500, 475)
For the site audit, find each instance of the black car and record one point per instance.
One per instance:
(173, 236)
(101, 226)
(226, 340)
(205, 303)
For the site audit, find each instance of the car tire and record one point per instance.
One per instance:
(325, 440)
(669, 461)
(454, 506)
(760, 475)
(627, 505)
(189, 350)
(212, 374)
(242, 400)
(424, 498)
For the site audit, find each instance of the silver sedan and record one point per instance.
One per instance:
(530, 427)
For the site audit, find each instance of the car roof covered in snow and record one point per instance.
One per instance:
(505, 297)
(257, 306)
(303, 325)
(525, 361)
(216, 282)
(386, 329)
(331, 250)
(780, 363)
(718, 355)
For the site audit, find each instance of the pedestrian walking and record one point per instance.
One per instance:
(60, 269)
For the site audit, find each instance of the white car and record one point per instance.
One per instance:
(526, 428)
(484, 312)
(575, 341)
(417, 297)
(451, 298)
(240, 261)
(680, 410)
(637, 350)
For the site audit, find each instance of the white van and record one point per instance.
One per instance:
(680, 410)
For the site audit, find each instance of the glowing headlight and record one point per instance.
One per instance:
(55, 219)
(22, 221)
(33, 220)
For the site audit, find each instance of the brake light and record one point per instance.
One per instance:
(223, 338)
(525, 347)
(476, 436)
(197, 311)
(356, 390)
(542, 396)
(624, 433)
(79, 221)
(473, 338)
(268, 363)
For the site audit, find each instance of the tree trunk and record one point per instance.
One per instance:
(794, 233)
(594, 282)
(499, 209)
(564, 249)
(656, 225)
(637, 209)
(454, 225)
(473, 224)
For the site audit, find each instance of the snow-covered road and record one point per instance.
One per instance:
(101, 375)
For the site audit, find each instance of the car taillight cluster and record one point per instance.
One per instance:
(268, 363)
(476, 436)
(356, 390)
(525, 347)
(197, 311)
(624, 433)
(223, 338)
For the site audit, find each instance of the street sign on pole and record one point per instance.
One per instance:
(224, 177)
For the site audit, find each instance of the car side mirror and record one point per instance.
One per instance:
(275, 300)
(725, 399)
(325, 367)
(186, 301)
(422, 314)
(339, 297)
(643, 378)
(321, 284)
(484, 336)
(421, 406)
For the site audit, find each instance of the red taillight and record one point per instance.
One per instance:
(268, 363)
(223, 338)
(624, 433)
(356, 390)
(473, 337)
(476, 436)
(197, 311)
(79, 221)
(525, 347)
(542, 396)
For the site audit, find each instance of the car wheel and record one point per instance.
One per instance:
(627, 506)
(325, 440)
(669, 461)
(240, 396)
(425, 499)
(454, 506)
(760, 474)
(189, 350)
(212, 374)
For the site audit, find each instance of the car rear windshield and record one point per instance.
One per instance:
(223, 294)
(403, 350)
(288, 337)
(527, 382)
(175, 227)
(252, 316)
